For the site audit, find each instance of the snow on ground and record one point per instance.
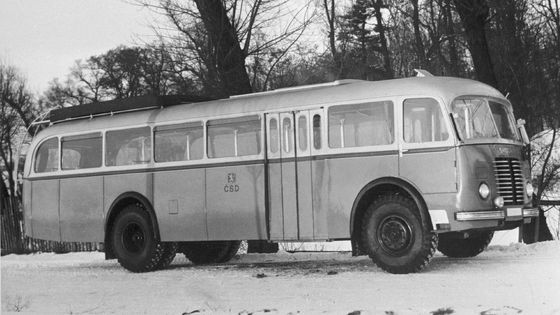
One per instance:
(504, 279)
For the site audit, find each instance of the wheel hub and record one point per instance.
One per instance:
(133, 238)
(394, 235)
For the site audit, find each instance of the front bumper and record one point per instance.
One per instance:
(507, 214)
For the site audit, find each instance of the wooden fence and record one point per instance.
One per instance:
(14, 241)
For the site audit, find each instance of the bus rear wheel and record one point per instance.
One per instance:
(211, 252)
(395, 237)
(134, 242)
(456, 247)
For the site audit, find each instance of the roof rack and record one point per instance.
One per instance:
(131, 104)
(299, 88)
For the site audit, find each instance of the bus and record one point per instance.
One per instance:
(399, 167)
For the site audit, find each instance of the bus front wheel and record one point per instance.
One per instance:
(452, 246)
(395, 237)
(134, 242)
(211, 252)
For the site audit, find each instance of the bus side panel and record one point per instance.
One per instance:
(116, 185)
(289, 200)
(81, 209)
(431, 172)
(320, 200)
(44, 208)
(235, 203)
(305, 200)
(179, 200)
(276, 221)
(347, 176)
(27, 208)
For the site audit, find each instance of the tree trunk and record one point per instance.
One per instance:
(419, 45)
(378, 5)
(453, 53)
(230, 58)
(473, 15)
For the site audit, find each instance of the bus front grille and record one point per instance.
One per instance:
(509, 180)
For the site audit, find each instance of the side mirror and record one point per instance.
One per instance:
(521, 127)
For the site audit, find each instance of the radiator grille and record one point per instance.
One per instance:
(509, 180)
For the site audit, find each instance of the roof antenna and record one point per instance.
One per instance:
(423, 73)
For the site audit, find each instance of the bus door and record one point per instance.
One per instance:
(426, 148)
(289, 176)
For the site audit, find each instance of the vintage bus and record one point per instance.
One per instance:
(394, 166)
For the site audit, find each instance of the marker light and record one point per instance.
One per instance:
(499, 202)
(483, 190)
(529, 190)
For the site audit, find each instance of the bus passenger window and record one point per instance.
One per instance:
(302, 133)
(361, 125)
(46, 159)
(273, 135)
(317, 131)
(128, 147)
(423, 121)
(287, 134)
(234, 137)
(83, 151)
(181, 142)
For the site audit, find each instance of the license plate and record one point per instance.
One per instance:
(514, 212)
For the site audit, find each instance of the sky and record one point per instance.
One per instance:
(43, 38)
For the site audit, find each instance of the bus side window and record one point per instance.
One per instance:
(302, 133)
(359, 125)
(317, 131)
(128, 147)
(181, 142)
(234, 137)
(423, 121)
(83, 151)
(273, 126)
(46, 159)
(287, 134)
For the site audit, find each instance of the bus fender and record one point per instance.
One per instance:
(118, 204)
(378, 187)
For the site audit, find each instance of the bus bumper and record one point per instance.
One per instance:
(508, 214)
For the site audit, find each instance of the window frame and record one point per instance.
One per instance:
(82, 136)
(449, 142)
(325, 120)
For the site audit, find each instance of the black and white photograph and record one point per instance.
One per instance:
(255, 157)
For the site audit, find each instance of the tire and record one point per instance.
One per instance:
(452, 246)
(169, 252)
(133, 240)
(202, 253)
(395, 237)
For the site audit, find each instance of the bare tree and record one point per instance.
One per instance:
(474, 15)
(220, 40)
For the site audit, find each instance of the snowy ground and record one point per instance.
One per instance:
(503, 280)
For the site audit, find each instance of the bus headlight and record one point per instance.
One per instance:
(529, 190)
(499, 202)
(484, 190)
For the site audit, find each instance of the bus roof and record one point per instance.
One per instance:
(445, 88)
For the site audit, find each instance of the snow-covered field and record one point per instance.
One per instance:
(503, 280)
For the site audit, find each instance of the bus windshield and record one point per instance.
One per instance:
(482, 118)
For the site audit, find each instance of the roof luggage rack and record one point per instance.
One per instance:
(118, 106)
(300, 88)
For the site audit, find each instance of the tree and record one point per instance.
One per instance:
(17, 111)
(119, 73)
(474, 15)
(221, 40)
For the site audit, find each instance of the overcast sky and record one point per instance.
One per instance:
(43, 38)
